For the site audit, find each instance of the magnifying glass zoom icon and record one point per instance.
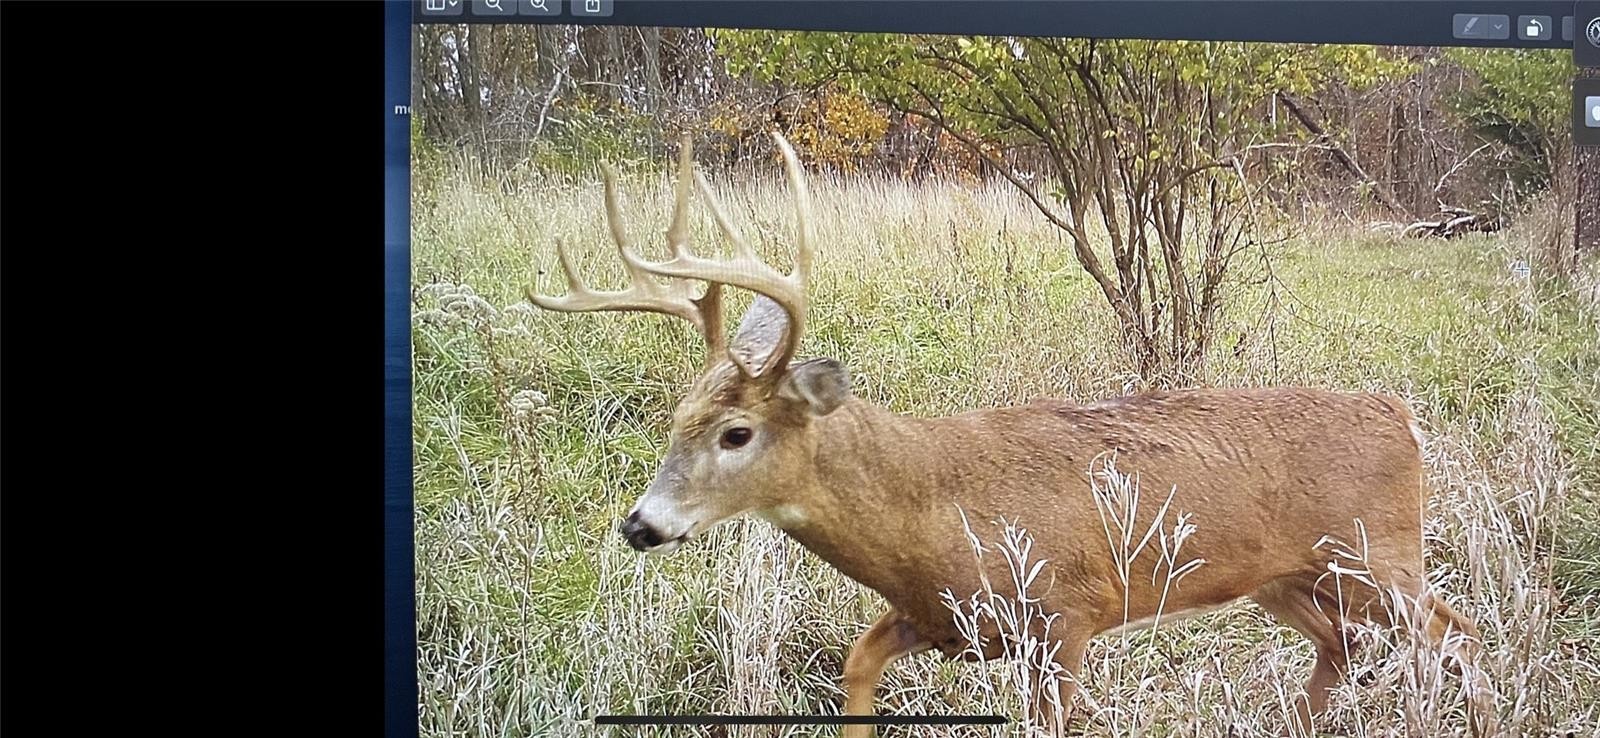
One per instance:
(539, 4)
(494, 4)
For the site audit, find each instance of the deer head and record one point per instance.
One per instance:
(740, 438)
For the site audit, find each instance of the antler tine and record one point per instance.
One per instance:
(802, 209)
(709, 304)
(801, 275)
(614, 211)
(746, 270)
(638, 275)
(741, 247)
(678, 232)
(643, 293)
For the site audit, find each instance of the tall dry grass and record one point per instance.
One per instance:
(534, 432)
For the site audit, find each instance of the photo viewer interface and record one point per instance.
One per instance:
(1011, 367)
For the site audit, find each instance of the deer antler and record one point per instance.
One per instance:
(643, 292)
(745, 270)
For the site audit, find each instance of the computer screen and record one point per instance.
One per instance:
(993, 368)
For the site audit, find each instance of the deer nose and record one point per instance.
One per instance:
(639, 534)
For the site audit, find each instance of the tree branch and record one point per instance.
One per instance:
(1339, 154)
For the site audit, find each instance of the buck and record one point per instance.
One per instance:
(1271, 476)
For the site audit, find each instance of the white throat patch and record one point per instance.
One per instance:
(783, 516)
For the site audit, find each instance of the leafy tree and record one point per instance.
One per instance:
(1147, 140)
(1521, 102)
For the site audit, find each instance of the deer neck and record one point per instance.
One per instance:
(870, 497)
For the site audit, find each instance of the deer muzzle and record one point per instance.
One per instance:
(643, 536)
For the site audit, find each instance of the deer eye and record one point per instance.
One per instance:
(735, 437)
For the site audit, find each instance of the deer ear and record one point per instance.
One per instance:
(823, 384)
(764, 328)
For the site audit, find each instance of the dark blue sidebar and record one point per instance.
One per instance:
(399, 592)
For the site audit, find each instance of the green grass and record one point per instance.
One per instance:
(941, 298)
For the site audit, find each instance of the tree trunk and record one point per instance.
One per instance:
(652, 69)
(472, 90)
(1586, 168)
(615, 69)
(545, 43)
(424, 97)
(416, 68)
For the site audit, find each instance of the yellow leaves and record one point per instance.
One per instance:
(735, 119)
(727, 123)
(840, 129)
(853, 117)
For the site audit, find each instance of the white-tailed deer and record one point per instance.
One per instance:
(1270, 476)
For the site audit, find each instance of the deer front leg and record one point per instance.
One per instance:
(887, 640)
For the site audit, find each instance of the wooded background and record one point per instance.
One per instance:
(1382, 131)
(1177, 151)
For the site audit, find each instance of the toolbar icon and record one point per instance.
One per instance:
(539, 7)
(592, 8)
(494, 8)
(1473, 25)
(1533, 27)
(442, 7)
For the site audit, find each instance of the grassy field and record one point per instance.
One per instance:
(535, 431)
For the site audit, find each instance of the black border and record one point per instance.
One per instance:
(191, 193)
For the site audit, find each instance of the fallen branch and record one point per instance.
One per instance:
(1451, 222)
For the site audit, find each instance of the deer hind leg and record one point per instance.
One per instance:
(1399, 598)
(1454, 635)
(890, 638)
(1457, 637)
(1293, 602)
